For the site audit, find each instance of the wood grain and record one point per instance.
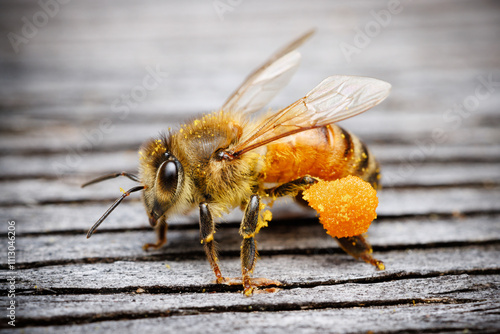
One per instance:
(437, 231)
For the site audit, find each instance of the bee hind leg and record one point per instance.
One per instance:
(359, 248)
(356, 246)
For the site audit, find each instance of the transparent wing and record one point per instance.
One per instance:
(334, 99)
(263, 84)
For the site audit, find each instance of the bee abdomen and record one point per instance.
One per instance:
(360, 162)
(328, 152)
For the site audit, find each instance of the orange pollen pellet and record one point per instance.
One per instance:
(346, 206)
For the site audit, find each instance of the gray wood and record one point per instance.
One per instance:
(447, 289)
(424, 317)
(400, 128)
(78, 217)
(292, 237)
(417, 278)
(438, 230)
(393, 201)
(423, 173)
(299, 270)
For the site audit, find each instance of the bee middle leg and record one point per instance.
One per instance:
(207, 230)
(291, 188)
(248, 245)
(248, 230)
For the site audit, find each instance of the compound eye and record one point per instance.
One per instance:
(169, 175)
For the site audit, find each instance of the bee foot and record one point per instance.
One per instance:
(262, 282)
(255, 285)
(265, 290)
(149, 246)
(254, 281)
(374, 262)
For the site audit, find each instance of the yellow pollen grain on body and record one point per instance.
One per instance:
(208, 239)
(264, 219)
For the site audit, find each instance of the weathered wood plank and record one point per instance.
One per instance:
(400, 154)
(280, 237)
(295, 271)
(79, 217)
(409, 171)
(62, 309)
(405, 318)
(397, 129)
(393, 201)
(65, 80)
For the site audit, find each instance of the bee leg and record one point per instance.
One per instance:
(356, 246)
(207, 230)
(248, 245)
(161, 236)
(360, 248)
(292, 187)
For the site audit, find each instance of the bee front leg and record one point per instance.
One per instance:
(161, 236)
(207, 230)
(360, 248)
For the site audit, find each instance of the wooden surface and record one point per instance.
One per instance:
(438, 230)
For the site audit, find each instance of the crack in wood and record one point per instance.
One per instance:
(222, 288)
(275, 223)
(451, 329)
(127, 315)
(195, 255)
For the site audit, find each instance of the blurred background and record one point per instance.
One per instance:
(84, 83)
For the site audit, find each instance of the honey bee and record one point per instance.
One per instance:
(231, 158)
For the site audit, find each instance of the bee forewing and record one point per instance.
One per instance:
(334, 99)
(341, 96)
(263, 84)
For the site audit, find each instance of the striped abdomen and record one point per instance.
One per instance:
(328, 152)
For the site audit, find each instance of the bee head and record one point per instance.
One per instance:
(163, 175)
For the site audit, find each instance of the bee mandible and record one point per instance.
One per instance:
(235, 158)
